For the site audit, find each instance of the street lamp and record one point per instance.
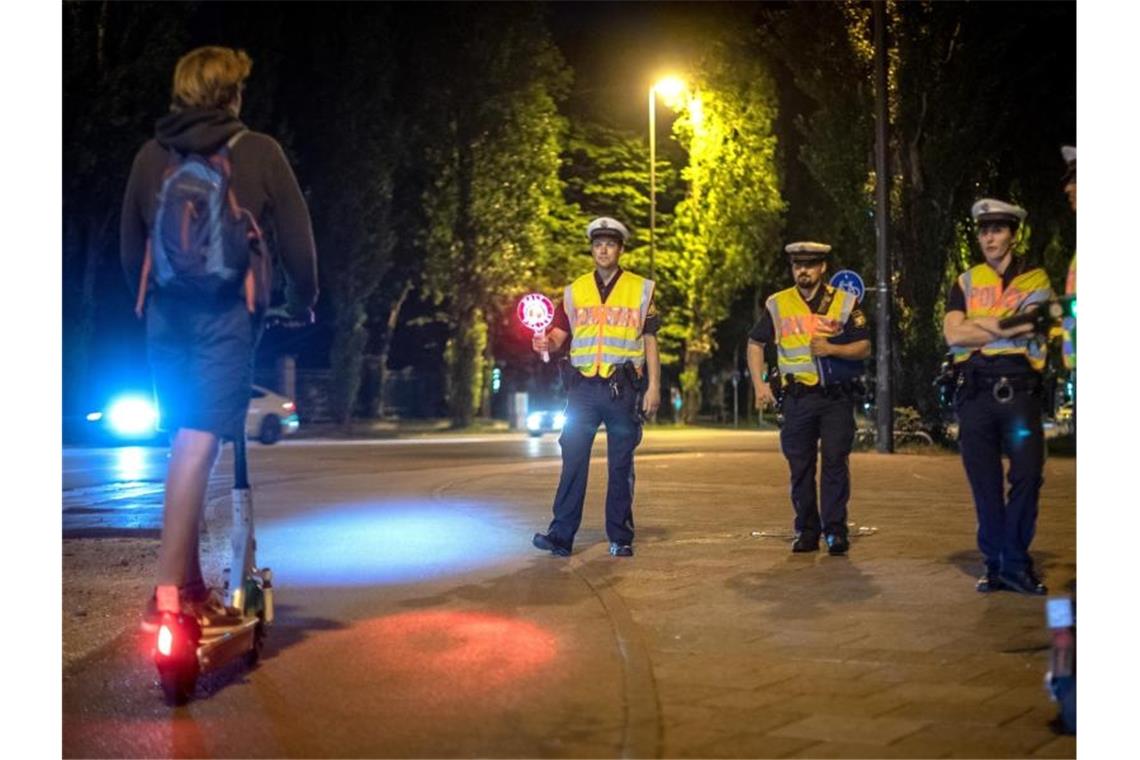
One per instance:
(669, 88)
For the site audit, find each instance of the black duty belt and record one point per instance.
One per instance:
(1004, 387)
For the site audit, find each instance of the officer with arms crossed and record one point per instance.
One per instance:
(1069, 182)
(610, 319)
(809, 324)
(999, 395)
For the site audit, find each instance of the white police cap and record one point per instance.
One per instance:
(991, 210)
(805, 249)
(1069, 153)
(605, 225)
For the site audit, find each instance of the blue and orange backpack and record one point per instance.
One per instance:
(202, 244)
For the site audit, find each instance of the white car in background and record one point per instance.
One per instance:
(270, 416)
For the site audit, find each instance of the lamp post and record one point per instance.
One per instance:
(670, 87)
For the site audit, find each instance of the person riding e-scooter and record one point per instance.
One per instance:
(199, 196)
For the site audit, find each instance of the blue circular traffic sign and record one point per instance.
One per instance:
(849, 280)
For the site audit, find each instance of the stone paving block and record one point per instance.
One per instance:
(754, 745)
(982, 713)
(979, 741)
(728, 719)
(688, 732)
(942, 692)
(845, 728)
(823, 689)
(1030, 696)
(846, 749)
(870, 706)
(934, 673)
(1060, 746)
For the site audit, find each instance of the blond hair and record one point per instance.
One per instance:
(209, 77)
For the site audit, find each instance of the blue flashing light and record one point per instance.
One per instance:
(132, 416)
(94, 416)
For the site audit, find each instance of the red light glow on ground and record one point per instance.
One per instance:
(458, 653)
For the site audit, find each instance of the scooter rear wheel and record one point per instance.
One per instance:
(178, 684)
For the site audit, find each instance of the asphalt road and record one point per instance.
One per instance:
(415, 619)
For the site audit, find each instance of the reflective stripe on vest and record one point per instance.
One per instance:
(604, 335)
(794, 324)
(987, 297)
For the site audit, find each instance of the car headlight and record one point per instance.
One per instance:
(559, 420)
(534, 421)
(132, 416)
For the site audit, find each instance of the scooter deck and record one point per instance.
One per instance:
(221, 643)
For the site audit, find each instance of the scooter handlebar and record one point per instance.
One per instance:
(284, 318)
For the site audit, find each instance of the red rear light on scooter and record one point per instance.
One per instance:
(289, 406)
(165, 640)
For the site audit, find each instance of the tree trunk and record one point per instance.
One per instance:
(386, 347)
(346, 357)
(691, 387)
(487, 371)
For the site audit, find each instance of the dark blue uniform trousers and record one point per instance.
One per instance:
(987, 429)
(589, 404)
(815, 422)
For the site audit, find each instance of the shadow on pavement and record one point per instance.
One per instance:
(804, 586)
(970, 563)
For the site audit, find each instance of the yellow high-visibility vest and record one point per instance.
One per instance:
(1069, 326)
(986, 296)
(605, 335)
(795, 324)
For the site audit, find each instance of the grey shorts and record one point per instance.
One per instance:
(202, 360)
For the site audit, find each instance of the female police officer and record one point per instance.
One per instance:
(999, 395)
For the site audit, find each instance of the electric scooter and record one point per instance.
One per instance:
(184, 650)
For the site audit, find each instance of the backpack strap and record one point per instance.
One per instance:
(230, 143)
(144, 279)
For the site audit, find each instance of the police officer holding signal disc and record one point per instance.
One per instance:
(614, 377)
(810, 324)
(998, 396)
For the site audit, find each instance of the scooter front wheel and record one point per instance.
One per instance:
(253, 656)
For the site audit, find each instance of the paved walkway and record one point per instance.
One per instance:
(713, 641)
(889, 652)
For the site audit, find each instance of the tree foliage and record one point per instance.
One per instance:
(350, 85)
(729, 221)
(980, 98)
(492, 136)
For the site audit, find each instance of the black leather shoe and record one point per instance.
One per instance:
(542, 541)
(805, 544)
(620, 550)
(837, 545)
(1024, 582)
(989, 582)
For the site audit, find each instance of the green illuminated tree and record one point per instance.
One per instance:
(492, 136)
(729, 222)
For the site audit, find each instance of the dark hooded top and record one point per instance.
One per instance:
(262, 181)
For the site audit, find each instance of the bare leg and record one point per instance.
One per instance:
(192, 458)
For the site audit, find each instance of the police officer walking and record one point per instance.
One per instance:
(999, 395)
(610, 320)
(810, 324)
